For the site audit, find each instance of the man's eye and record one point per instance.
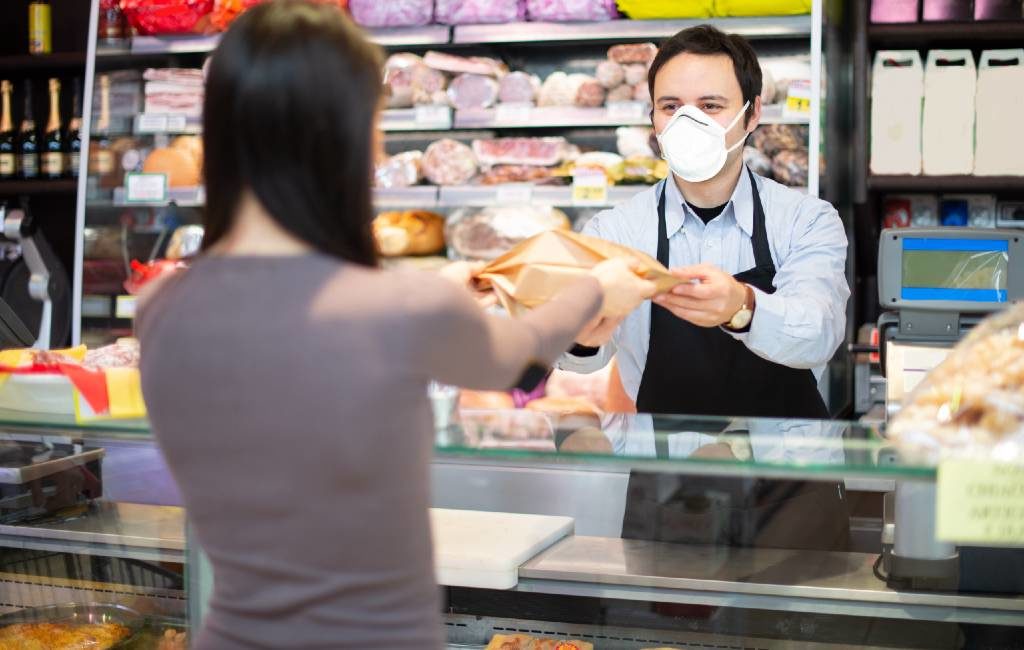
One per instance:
(670, 108)
(710, 108)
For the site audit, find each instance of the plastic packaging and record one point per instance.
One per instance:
(486, 233)
(400, 170)
(972, 403)
(470, 12)
(167, 16)
(392, 13)
(449, 162)
(571, 10)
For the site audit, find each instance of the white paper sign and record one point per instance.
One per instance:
(176, 123)
(431, 115)
(628, 111)
(145, 188)
(125, 307)
(514, 193)
(149, 123)
(515, 113)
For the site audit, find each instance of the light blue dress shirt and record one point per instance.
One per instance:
(801, 325)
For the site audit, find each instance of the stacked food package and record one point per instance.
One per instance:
(972, 404)
(779, 151)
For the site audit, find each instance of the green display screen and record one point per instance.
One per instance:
(946, 269)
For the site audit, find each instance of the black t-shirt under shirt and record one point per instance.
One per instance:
(707, 214)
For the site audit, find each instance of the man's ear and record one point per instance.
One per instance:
(755, 115)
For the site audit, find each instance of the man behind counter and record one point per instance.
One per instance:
(761, 310)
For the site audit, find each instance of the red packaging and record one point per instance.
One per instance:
(897, 213)
(151, 17)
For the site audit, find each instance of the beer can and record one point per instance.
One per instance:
(39, 32)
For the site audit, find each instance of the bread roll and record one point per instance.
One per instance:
(411, 232)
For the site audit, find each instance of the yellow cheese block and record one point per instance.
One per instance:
(124, 389)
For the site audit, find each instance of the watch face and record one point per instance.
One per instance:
(741, 319)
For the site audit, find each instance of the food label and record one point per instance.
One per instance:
(176, 123)
(512, 193)
(980, 502)
(515, 113)
(124, 307)
(7, 166)
(145, 188)
(436, 116)
(53, 163)
(628, 111)
(798, 100)
(74, 160)
(30, 165)
(149, 123)
(39, 28)
(589, 187)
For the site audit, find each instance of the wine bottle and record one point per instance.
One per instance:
(101, 158)
(8, 141)
(28, 143)
(74, 136)
(53, 139)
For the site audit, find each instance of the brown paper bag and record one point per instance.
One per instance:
(535, 270)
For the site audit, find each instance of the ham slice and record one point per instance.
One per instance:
(542, 152)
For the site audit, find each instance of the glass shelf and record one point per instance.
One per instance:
(753, 447)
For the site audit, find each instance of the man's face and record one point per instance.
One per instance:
(707, 81)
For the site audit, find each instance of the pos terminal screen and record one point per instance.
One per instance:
(972, 270)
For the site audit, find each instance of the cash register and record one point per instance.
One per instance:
(938, 283)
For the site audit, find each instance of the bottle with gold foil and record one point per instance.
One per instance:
(8, 140)
(53, 140)
(28, 142)
(101, 158)
(74, 136)
(39, 28)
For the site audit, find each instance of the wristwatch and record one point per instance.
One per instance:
(740, 321)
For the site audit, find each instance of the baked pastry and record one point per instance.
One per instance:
(411, 232)
(63, 636)
(526, 642)
(178, 163)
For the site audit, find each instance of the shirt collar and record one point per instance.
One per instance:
(740, 205)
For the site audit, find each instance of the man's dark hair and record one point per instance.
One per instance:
(291, 95)
(705, 39)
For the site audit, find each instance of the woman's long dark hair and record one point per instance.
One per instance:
(291, 94)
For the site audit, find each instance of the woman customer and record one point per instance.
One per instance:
(286, 374)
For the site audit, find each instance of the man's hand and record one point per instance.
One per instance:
(462, 274)
(707, 297)
(598, 331)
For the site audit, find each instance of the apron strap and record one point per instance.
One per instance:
(662, 227)
(759, 240)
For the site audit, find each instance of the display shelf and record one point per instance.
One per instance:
(946, 183)
(185, 197)
(420, 196)
(419, 118)
(32, 62)
(765, 27)
(38, 186)
(526, 194)
(411, 36)
(928, 34)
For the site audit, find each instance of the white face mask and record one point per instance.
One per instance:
(694, 144)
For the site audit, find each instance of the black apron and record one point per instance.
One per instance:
(696, 370)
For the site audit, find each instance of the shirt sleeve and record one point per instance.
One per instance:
(803, 323)
(474, 349)
(593, 362)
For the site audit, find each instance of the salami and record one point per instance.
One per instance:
(623, 93)
(518, 87)
(470, 12)
(590, 94)
(642, 92)
(472, 91)
(392, 13)
(398, 76)
(449, 162)
(542, 152)
(633, 53)
(400, 170)
(635, 73)
(560, 89)
(515, 174)
(610, 74)
(428, 86)
(465, 64)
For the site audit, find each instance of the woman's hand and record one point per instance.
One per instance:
(623, 289)
(462, 274)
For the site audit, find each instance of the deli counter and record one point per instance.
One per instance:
(543, 527)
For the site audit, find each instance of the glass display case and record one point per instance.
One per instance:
(112, 533)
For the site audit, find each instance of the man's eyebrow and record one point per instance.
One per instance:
(667, 98)
(719, 98)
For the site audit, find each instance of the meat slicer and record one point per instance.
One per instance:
(47, 285)
(938, 283)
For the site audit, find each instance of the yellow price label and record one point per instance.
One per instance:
(590, 188)
(798, 104)
(980, 502)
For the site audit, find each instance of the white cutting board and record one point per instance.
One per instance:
(486, 549)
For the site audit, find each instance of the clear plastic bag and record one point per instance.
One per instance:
(972, 404)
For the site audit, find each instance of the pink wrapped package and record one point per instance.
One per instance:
(571, 10)
(471, 12)
(393, 13)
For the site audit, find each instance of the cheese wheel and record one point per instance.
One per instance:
(178, 164)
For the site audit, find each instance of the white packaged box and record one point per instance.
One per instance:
(1000, 138)
(947, 139)
(897, 91)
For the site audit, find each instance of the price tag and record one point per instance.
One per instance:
(980, 502)
(516, 113)
(589, 187)
(149, 123)
(798, 100)
(435, 116)
(145, 188)
(514, 193)
(176, 123)
(627, 111)
(124, 307)
(96, 306)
